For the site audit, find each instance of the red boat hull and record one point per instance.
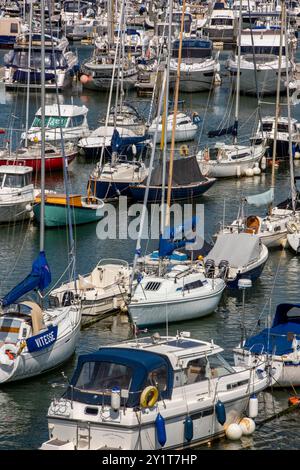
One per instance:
(53, 163)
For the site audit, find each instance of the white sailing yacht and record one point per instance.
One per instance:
(179, 292)
(34, 338)
(231, 160)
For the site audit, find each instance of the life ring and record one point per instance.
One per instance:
(149, 397)
(8, 353)
(183, 150)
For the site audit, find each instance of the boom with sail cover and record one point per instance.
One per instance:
(119, 143)
(40, 277)
(232, 130)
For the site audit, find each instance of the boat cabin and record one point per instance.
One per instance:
(65, 117)
(164, 363)
(10, 28)
(193, 48)
(13, 176)
(265, 42)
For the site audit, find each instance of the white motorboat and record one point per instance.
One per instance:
(230, 160)
(60, 63)
(103, 290)
(153, 393)
(185, 129)
(69, 119)
(264, 67)
(221, 26)
(198, 67)
(16, 193)
(279, 342)
(237, 256)
(266, 130)
(182, 293)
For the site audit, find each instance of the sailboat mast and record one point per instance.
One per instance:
(165, 119)
(291, 160)
(238, 79)
(277, 107)
(28, 76)
(175, 118)
(42, 210)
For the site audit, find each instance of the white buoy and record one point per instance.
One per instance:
(115, 398)
(263, 163)
(238, 171)
(253, 407)
(234, 432)
(249, 172)
(256, 169)
(297, 155)
(247, 426)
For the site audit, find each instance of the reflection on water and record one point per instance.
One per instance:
(23, 406)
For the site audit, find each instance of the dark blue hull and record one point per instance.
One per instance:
(109, 190)
(94, 153)
(253, 274)
(178, 193)
(7, 42)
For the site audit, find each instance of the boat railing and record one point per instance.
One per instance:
(116, 261)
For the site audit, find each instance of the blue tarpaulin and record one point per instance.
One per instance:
(40, 277)
(119, 143)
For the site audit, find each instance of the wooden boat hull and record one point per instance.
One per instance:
(56, 215)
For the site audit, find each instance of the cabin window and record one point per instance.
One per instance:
(218, 367)
(14, 28)
(77, 121)
(99, 377)
(196, 370)
(13, 181)
(283, 128)
(27, 179)
(261, 50)
(158, 378)
(56, 121)
(221, 21)
(267, 126)
(193, 285)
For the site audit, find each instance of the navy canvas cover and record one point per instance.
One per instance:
(140, 362)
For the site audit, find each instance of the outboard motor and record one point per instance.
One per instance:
(209, 268)
(223, 268)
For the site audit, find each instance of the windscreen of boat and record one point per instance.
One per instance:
(262, 50)
(128, 369)
(100, 377)
(11, 181)
(196, 49)
(50, 121)
(56, 59)
(221, 21)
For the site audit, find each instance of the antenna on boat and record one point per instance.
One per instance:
(244, 284)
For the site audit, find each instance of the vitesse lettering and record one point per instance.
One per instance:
(45, 340)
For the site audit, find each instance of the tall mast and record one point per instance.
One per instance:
(291, 160)
(167, 221)
(165, 120)
(237, 91)
(277, 107)
(42, 211)
(28, 75)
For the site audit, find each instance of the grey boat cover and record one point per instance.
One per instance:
(185, 171)
(239, 249)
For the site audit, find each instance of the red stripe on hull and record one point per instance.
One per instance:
(51, 163)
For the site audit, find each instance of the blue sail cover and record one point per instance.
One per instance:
(119, 143)
(174, 238)
(40, 277)
(233, 130)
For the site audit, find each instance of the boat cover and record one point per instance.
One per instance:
(118, 143)
(239, 249)
(185, 171)
(140, 362)
(277, 339)
(261, 199)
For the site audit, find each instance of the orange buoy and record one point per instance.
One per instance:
(294, 400)
(85, 79)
